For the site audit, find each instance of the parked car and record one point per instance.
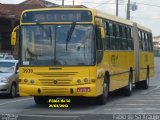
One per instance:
(5, 56)
(9, 77)
(8, 57)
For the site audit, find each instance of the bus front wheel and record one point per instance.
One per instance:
(39, 100)
(102, 99)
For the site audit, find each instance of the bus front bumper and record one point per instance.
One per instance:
(86, 90)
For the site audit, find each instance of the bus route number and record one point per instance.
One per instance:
(27, 70)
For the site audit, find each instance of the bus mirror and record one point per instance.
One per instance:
(14, 35)
(13, 38)
(102, 32)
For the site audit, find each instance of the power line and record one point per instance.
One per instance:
(100, 4)
(149, 4)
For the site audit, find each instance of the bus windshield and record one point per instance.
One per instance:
(49, 45)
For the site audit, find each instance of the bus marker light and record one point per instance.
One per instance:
(86, 80)
(93, 80)
(78, 81)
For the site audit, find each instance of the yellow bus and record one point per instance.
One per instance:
(81, 52)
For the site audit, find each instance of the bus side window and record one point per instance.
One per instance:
(124, 39)
(114, 38)
(107, 40)
(143, 42)
(140, 40)
(99, 44)
(150, 37)
(130, 40)
(147, 42)
(117, 39)
(120, 35)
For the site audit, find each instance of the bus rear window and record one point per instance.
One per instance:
(57, 16)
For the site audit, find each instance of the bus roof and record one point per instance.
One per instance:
(96, 13)
(143, 28)
(119, 20)
(112, 17)
(58, 8)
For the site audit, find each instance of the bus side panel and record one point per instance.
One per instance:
(151, 64)
(118, 64)
(146, 59)
(143, 65)
(109, 66)
(124, 63)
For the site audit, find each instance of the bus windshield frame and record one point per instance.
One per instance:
(82, 50)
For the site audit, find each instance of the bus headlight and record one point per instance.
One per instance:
(32, 81)
(79, 81)
(86, 80)
(25, 80)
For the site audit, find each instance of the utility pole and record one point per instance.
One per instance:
(73, 2)
(62, 2)
(116, 7)
(128, 10)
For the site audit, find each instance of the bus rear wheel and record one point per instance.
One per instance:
(129, 87)
(102, 99)
(39, 100)
(145, 83)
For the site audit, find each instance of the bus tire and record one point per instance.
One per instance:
(145, 83)
(102, 99)
(13, 90)
(39, 100)
(129, 87)
(138, 85)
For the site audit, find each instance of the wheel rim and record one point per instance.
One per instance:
(105, 91)
(13, 92)
(147, 81)
(130, 82)
(130, 86)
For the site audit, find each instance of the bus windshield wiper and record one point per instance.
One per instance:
(70, 32)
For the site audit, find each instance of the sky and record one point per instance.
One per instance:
(147, 14)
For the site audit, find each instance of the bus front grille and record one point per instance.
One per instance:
(55, 82)
(55, 91)
(56, 74)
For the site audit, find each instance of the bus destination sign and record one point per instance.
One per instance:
(57, 16)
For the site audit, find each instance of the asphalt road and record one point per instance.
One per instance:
(141, 102)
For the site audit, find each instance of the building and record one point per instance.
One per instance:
(156, 41)
(156, 44)
(10, 16)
